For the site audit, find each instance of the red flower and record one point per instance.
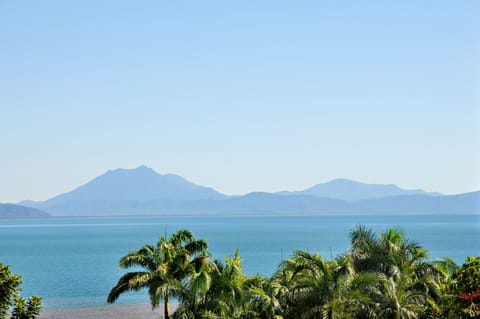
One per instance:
(469, 295)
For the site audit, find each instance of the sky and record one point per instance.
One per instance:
(240, 96)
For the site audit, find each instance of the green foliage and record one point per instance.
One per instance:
(467, 277)
(9, 286)
(9, 296)
(165, 265)
(214, 290)
(466, 288)
(384, 276)
(29, 309)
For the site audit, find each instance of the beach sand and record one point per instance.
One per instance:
(106, 312)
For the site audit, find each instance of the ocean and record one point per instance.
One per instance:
(73, 262)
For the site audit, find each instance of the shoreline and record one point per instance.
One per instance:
(132, 311)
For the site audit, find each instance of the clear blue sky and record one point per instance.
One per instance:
(240, 95)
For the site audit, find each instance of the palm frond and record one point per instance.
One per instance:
(130, 281)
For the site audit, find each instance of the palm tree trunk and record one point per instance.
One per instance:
(166, 307)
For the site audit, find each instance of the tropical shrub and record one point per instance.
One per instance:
(10, 297)
(26, 309)
(466, 287)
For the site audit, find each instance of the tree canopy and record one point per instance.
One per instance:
(10, 297)
(382, 276)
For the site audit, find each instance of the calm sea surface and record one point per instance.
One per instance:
(72, 262)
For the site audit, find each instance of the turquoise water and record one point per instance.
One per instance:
(72, 262)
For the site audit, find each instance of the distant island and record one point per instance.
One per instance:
(142, 191)
(19, 211)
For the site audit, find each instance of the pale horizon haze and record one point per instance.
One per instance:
(240, 96)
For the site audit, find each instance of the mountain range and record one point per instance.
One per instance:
(352, 191)
(144, 191)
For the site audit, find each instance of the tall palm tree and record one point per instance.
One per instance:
(164, 267)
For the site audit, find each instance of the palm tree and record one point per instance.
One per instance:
(273, 298)
(317, 288)
(405, 282)
(214, 290)
(387, 253)
(444, 306)
(267, 297)
(446, 265)
(228, 292)
(164, 267)
(194, 288)
(399, 297)
(313, 283)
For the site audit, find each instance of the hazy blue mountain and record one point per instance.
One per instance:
(139, 184)
(266, 203)
(253, 203)
(18, 211)
(349, 190)
(466, 203)
(142, 191)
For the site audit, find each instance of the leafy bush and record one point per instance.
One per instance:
(10, 297)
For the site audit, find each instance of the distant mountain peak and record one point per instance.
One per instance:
(138, 169)
(341, 179)
(144, 168)
(351, 190)
(140, 184)
(353, 182)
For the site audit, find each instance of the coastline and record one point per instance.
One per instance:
(134, 311)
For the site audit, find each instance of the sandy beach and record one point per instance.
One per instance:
(106, 312)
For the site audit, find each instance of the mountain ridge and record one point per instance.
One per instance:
(141, 183)
(144, 191)
(350, 190)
